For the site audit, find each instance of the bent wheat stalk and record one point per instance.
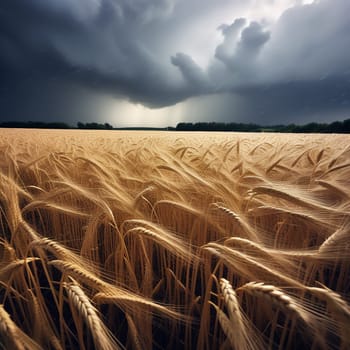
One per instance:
(276, 297)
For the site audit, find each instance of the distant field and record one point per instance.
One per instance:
(152, 240)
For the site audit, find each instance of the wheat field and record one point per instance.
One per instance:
(160, 240)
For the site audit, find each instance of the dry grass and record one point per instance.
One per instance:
(145, 240)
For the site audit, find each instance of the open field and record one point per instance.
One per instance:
(174, 240)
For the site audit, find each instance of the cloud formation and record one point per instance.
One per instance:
(60, 57)
(195, 77)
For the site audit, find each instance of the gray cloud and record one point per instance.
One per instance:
(309, 42)
(226, 50)
(245, 45)
(293, 102)
(252, 39)
(89, 37)
(195, 77)
(148, 10)
(298, 69)
(79, 51)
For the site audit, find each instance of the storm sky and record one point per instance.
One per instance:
(160, 62)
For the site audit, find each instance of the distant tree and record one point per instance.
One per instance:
(58, 125)
(311, 127)
(94, 126)
(288, 128)
(184, 126)
(346, 126)
(335, 127)
(108, 126)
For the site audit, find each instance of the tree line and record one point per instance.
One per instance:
(35, 125)
(334, 127)
(55, 125)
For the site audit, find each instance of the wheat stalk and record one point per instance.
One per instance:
(12, 336)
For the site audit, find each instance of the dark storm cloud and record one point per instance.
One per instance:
(59, 57)
(80, 45)
(292, 102)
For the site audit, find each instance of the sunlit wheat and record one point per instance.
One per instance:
(146, 240)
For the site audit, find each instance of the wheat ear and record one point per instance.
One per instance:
(231, 301)
(101, 337)
(234, 313)
(275, 296)
(338, 242)
(335, 302)
(14, 265)
(244, 226)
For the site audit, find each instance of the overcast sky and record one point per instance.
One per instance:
(160, 62)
